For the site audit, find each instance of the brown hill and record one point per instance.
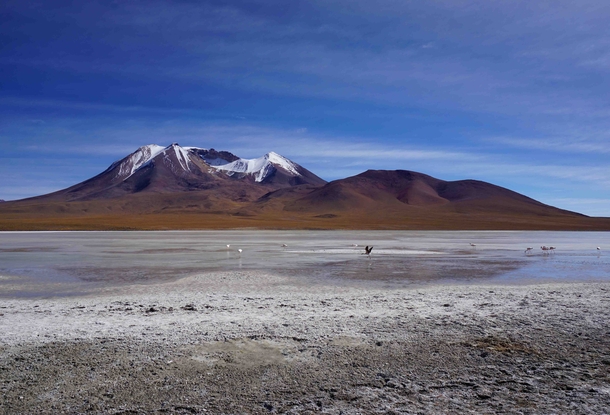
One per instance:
(402, 199)
(381, 190)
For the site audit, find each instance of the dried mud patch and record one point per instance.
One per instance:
(245, 353)
(505, 345)
(440, 350)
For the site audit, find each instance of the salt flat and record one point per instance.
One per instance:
(69, 263)
(252, 340)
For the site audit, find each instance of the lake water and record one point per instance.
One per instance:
(64, 263)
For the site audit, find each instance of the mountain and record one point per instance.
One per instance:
(402, 189)
(175, 169)
(178, 187)
(402, 199)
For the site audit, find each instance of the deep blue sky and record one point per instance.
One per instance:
(516, 93)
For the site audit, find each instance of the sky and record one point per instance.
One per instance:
(515, 93)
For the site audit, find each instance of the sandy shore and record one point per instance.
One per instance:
(250, 342)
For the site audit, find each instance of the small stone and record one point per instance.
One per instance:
(484, 394)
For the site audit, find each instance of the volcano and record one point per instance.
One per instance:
(176, 187)
(175, 169)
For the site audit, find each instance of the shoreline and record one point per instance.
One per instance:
(251, 342)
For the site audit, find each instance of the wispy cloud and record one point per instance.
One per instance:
(512, 92)
(300, 143)
(30, 103)
(556, 144)
(379, 53)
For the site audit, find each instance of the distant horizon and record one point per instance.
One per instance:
(510, 93)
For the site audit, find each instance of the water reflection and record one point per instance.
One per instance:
(73, 260)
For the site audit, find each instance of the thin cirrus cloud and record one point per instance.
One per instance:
(512, 92)
(557, 144)
(246, 141)
(264, 48)
(229, 45)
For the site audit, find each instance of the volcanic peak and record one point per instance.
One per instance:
(175, 168)
(179, 159)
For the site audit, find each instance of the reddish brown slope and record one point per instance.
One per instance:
(383, 190)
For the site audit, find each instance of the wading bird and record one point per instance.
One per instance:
(528, 249)
(367, 250)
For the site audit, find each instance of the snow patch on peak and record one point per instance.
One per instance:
(261, 167)
(152, 149)
(137, 159)
(283, 162)
(181, 155)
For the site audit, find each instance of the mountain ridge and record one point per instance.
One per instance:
(176, 187)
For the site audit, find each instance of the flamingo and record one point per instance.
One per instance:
(473, 245)
(528, 249)
(545, 249)
(368, 250)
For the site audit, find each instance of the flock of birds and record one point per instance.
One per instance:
(549, 249)
(545, 249)
(368, 249)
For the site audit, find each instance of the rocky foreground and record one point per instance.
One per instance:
(252, 343)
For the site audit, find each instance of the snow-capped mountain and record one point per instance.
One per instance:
(178, 187)
(174, 168)
(181, 160)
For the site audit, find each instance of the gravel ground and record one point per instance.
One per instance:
(254, 343)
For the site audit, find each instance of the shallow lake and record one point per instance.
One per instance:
(64, 263)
